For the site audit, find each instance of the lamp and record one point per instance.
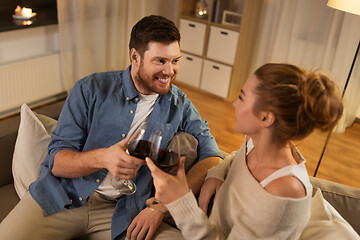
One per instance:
(351, 6)
(201, 10)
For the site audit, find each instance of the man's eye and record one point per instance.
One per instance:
(176, 61)
(162, 61)
(240, 98)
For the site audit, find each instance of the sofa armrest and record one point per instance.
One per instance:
(345, 199)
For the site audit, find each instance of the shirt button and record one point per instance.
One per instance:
(131, 111)
(80, 198)
(123, 135)
(97, 180)
(71, 200)
(136, 99)
(127, 98)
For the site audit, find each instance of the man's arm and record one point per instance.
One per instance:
(73, 164)
(196, 175)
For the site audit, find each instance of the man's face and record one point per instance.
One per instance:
(154, 72)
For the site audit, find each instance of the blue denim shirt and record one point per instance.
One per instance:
(97, 114)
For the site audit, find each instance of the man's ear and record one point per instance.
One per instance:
(134, 57)
(267, 119)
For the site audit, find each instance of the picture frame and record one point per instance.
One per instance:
(231, 18)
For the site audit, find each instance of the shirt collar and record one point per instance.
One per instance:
(129, 87)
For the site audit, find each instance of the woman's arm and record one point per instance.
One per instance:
(181, 203)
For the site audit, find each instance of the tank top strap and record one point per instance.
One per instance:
(298, 171)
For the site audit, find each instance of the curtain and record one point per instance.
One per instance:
(312, 35)
(94, 36)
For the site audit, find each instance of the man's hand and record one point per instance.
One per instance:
(210, 187)
(73, 164)
(119, 163)
(144, 224)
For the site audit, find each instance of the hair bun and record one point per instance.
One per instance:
(322, 101)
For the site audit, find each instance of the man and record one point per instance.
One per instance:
(88, 147)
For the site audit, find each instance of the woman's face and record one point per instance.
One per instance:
(246, 122)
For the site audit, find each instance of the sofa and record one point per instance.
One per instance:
(337, 198)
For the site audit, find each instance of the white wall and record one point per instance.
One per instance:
(165, 8)
(28, 43)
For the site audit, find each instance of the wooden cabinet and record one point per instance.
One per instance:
(209, 47)
(192, 36)
(190, 70)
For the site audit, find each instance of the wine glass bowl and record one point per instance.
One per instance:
(167, 159)
(137, 147)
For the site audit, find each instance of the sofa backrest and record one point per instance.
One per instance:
(8, 133)
(345, 199)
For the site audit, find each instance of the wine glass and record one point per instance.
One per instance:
(167, 159)
(137, 147)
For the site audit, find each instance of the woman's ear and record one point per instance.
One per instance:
(134, 57)
(267, 119)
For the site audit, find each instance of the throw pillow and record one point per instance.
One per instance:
(30, 148)
(326, 223)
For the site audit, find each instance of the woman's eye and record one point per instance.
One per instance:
(240, 98)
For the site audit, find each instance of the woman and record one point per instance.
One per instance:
(265, 191)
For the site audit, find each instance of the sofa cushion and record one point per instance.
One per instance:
(30, 148)
(326, 223)
(345, 199)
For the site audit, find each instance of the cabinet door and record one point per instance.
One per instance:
(222, 45)
(192, 36)
(190, 70)
(216, 78)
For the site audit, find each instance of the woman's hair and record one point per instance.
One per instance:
(152, 28)
(300, 100)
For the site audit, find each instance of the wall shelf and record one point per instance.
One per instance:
(210, 46)
(42, 18)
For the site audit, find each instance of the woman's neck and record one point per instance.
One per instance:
(268, 152)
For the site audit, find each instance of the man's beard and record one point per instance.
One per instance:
(150, 86)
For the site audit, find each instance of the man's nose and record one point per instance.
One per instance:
(168, 69)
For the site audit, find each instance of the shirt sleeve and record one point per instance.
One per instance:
(71, 130)
(198, 127)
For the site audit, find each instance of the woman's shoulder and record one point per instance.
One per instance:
(287, 186)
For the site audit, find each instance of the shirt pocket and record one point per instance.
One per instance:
(168, 131)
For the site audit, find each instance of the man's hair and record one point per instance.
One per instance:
(153, 29)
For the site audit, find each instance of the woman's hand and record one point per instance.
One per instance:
(210, 187)
(169, 188)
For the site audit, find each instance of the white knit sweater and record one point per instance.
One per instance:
(242, 209)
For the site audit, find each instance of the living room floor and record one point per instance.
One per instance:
(341, 160)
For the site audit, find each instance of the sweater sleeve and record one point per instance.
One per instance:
(220, 171)
(191, 220)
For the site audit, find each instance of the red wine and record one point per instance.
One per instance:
(140, 149)
(167, 161)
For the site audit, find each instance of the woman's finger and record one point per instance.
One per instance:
(204, 200)
(181, 168)
(153, 168)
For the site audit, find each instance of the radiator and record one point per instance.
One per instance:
(29, 81)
